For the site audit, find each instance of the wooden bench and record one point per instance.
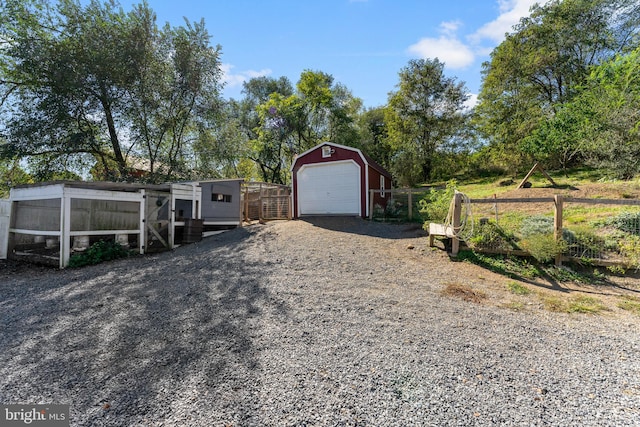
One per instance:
(439, 230)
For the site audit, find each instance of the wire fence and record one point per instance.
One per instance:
(401, 205)
(592, 231)
(265, 201)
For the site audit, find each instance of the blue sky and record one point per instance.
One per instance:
(363, 44)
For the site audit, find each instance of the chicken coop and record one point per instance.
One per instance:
(49, 222)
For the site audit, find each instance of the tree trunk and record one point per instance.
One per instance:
(113, 135)
(426, 170)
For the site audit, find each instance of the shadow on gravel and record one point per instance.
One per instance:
(357, 225)
(144, 340)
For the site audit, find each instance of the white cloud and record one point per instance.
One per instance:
(236, 79)
(447, 48)
(457, 54)
(510, 13)
(472, 101)
(450, 27)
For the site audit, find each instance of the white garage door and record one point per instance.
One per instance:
(329, 189)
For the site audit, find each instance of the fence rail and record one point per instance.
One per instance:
(605, 233)
(400, 204)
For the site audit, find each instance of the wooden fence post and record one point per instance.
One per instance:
(455, 224)
(246, 203)
(557, 223)
(260, 207)
(278, 207)
(410, 202)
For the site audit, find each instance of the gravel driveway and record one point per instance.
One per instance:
(325, 322)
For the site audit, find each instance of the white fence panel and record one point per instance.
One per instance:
(5, 213)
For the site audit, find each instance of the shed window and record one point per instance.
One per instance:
(381, 185)
(327, 151)
(219, 197)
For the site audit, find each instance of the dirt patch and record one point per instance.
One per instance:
(464, 292)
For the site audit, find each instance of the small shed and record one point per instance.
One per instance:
(333, 179)
(221, 203)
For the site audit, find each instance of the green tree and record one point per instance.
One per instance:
(288, 123)
(262, 117)
(173, 102)
(325, 111)
(374, 140)
(12, 174)
(601, 124)
(48, 113)
(345, 110)
(257, 91)
(557, 142)
(608, 116)
(541, 66)
(278, 133)
(95, 83)
(222, 150)
(424, 115)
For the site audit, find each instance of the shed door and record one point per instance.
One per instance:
(329, 189)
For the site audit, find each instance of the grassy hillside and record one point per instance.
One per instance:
(576, 183)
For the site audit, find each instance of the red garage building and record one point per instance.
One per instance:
(332, 179)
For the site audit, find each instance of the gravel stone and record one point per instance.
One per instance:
(322, 322)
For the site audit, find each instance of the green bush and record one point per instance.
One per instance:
(540, 224)
(536, 224)
(584, 243)
(630, 249)
(103, 250)
(393, 209)
(629, 222)
(490, 236)
(435, 205)
(543, 247)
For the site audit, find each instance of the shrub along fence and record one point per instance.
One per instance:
(591, 231)
(402, 204)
